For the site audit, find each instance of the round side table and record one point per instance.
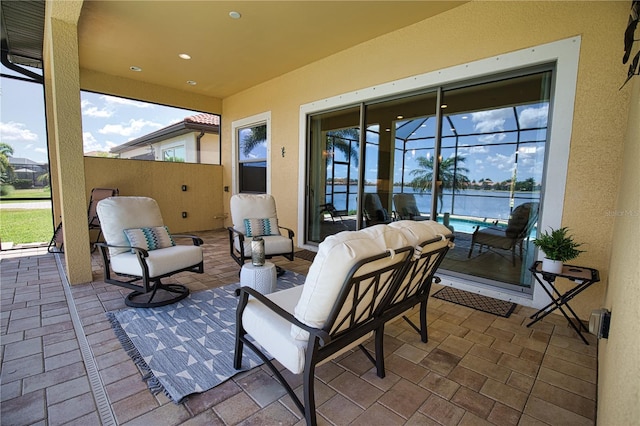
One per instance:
(260, 278)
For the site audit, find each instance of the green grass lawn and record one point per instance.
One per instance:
(26, 226)
(26, 193)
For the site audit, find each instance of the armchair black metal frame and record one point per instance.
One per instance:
(144, 292)
(240, 257)
(517, 231)
(373, 211)
(247, 206)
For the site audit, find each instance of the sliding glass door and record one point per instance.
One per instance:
(492, 148)
(470, 156)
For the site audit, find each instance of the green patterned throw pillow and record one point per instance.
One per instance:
(150, 238)
(260, 227)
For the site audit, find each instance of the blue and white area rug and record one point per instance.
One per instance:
(187, 347)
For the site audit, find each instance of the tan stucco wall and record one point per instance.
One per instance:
(163, 181)
(210, 149)
(619, 355)
(64, 130)
(474, 31)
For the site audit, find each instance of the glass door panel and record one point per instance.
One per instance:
(332, 182)
(400, 142)
(491, 166)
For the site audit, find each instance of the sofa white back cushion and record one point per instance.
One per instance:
(418, 232)
(337, 254)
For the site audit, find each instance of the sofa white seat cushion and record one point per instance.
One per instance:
(273, 244)
(337, 254)
(273, 333)
(159, 262)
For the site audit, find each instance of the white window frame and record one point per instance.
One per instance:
(564, 53)
(173, 146)
(255, 120)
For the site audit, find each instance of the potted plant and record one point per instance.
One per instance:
(558, 247)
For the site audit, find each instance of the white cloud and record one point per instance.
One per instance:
(13, 131)
(480, 149)
(132, 128)
(494, 138)
(492, 120)
(91, 144)
(534, 117)
(501, 162)
(90, 110)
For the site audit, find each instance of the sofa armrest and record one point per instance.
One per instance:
(139, 251)
(290, 232)
(197, 241)
(245, 292)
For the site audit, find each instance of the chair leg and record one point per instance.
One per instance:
(171, 292)
(379, 342)
(423, 322)
(309, 397)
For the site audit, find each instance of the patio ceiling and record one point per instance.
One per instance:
(228, 55)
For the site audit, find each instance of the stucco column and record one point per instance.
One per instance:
(64, 126)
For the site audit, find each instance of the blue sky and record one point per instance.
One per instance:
(485, 155)
(107, 121)
(22, 122)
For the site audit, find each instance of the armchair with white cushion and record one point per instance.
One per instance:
(255, 215)
(139, 249)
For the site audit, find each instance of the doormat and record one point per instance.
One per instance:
(476, 301)
(306, 255)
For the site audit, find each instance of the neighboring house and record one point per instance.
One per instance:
(26, 169)
(196, 139)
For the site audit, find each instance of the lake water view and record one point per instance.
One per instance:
(476, 204)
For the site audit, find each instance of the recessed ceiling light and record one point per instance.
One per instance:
(444, 106)
(400, 117)
(234, 15)
(134, 68)
(191, 82)
(184, 56)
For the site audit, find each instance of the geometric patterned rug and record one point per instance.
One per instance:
(187, 347)
(476, 301)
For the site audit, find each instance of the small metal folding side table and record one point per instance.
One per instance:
(581, 276)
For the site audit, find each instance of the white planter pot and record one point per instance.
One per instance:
(551, 266)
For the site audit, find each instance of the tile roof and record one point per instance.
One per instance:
(204, 119)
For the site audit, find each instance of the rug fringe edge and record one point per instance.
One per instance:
(152, 382)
